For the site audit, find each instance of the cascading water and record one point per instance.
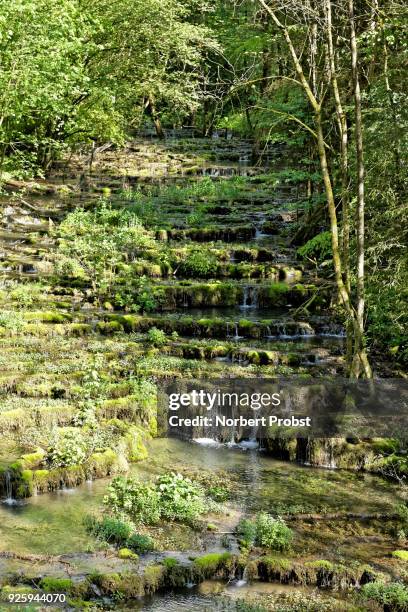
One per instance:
(8, 488)
(250, 297)
(240, 582)
(185, 300)
(236, 336)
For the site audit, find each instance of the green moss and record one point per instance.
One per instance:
(210, 564)
(17, 588)
(109, 327)
(41, 480)
(400, 554)
(32, 460)
(277, 564)
(170, 562)
(57, 585)
(136, 449)
(153, 577)
(385, 446)
(105, 463)
(322, 564)
(79, 329)
(126, 553)
(47, 317)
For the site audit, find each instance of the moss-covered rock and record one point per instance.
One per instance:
(126, 553)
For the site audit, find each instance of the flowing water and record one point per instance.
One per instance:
(52, 523)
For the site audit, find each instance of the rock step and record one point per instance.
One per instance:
(251, 355)
(220, 328)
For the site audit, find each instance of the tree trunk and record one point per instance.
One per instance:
(360, 362)
(345, 179)
(151, 109)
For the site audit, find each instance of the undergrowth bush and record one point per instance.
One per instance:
(272, 532)
(140, 543)
(393, 595)
(156, 337)
(199, 263)
(318, 249)
(171, 496)
(265, 531)
(109, 529)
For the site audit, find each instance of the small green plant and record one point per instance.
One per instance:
(219, 494)
(26, 295)
(140, 543)
(272, 532)
(246, 531)
(170, 562)
(68, 447)
(318, 249)
(179, 497)
(171, 496)
(109, 529)
(140, 501)
(11, 320)
(199, 263)
(156, 337)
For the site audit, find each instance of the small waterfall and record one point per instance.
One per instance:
(250, 297)
(236, 335)
(259, 234)
(8, 486)
(185, 300)
(244, 580)
(245, 297)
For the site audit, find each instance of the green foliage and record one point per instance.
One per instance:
(135, 293)
(265, 531)
(11, 320)
(272, 532)
(179, 498)
(69, 447)
(140, 543)
(95, 245)
(171, 496)
(156, 337)
(109, 529)
(199, 263)
(394, 595)
(318, 248)
(25, 295)
(102, 83)
(138, 500)
(246, 531)
(218, 493)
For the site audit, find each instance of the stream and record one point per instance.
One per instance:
(199, 312)
(52, 523)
